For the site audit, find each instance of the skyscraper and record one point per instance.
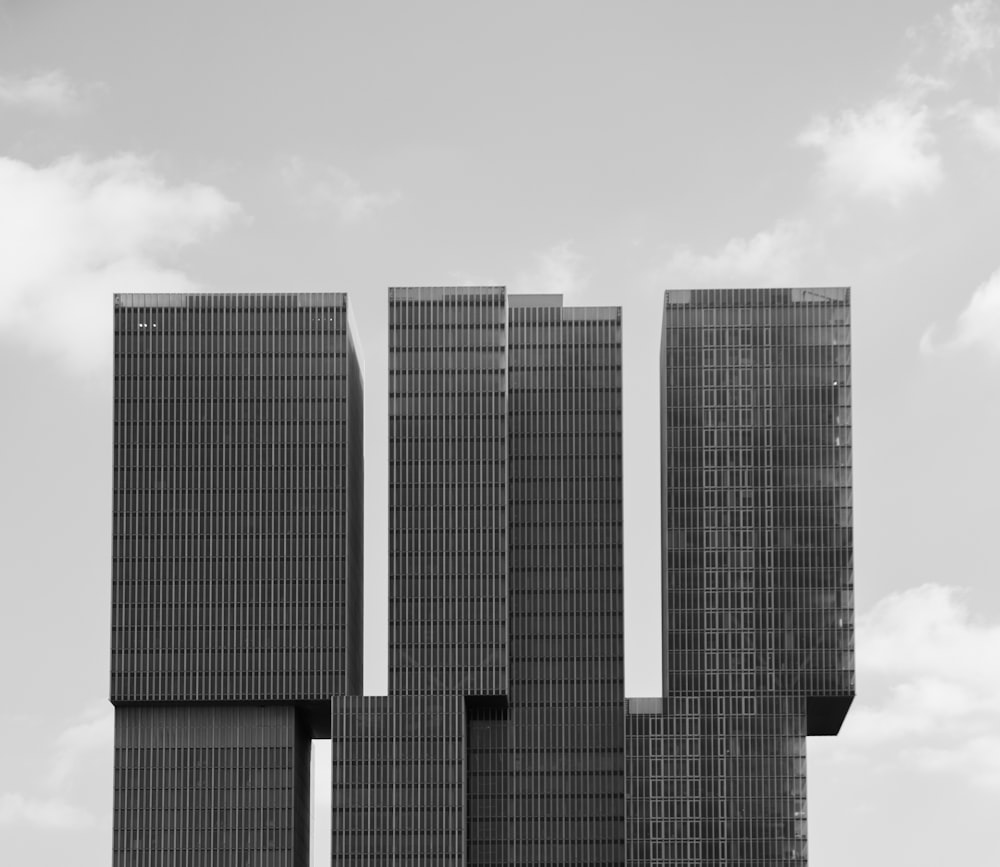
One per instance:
(565, 732)
(757, 563)
(501, 741)
(506, 737)
(237, 568)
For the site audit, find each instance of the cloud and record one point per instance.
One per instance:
(970, 32)
(889, 151)
(978, 324)
(918, 85)
(48, 92)
(886, 152)
(48, 813)
(977, 759)
(929, 629)
(77, 231)
(772, 256)
(79, 752)
(556, 271)
(327, 187)
(92, 734)
(938, 664)
(982, 121)
(471, 278)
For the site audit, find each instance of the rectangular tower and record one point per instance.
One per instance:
(757, 562)
(448, 491)
(237, 557)
(505, 591)
(399, 780)
(566, 737)
(207, 784)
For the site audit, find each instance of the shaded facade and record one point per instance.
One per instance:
(716, 780)
(565, 731)
(211, 785)
(447, 491)
(505, 589)
(506, 737)
(399, 777)
(757, 562)
(237, 548)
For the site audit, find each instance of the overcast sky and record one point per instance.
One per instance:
(604, 150)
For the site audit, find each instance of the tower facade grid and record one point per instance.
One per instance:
(236, 567)
(506, 737)
(565, 729)
(757, 560)
(505, 586)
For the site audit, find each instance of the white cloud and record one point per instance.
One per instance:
(771, 257)
(917, 85)
(80, 753)
(976, 758)
(77, 231)
(928, 629)
(970, 32)
(327, 187)
(92, 735)
(468, 278)
(49, 92)
(557, 271)
(942, 695)
(47, 813)
(983, 122)
(978, 324)
(886, 152)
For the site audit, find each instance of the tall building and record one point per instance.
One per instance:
(757, 563)
(506, 737)
(565, 731)
(502, 738)
(237, 568)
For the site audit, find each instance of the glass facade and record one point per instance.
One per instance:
(237, 566)
(447, 491)
(716, 780)
(505, 592)
(211, 786)
(238, 510)
(506, 737)
(757, 557)
(566, 732)
(399, 780)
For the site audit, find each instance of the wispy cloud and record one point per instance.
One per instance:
(327, 187)
(982, 121)
(558, 270)
(978, 324)
(92, 734)
(48, 92)
(468, 278)
(886, 152)
(969, 35)
(915, 86)
(46, 813)
(975, 758)
(771, 256)
(77, 231)
(938, 665)
(970, 31)
(79, 751)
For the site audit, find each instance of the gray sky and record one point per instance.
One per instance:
(607, 151)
